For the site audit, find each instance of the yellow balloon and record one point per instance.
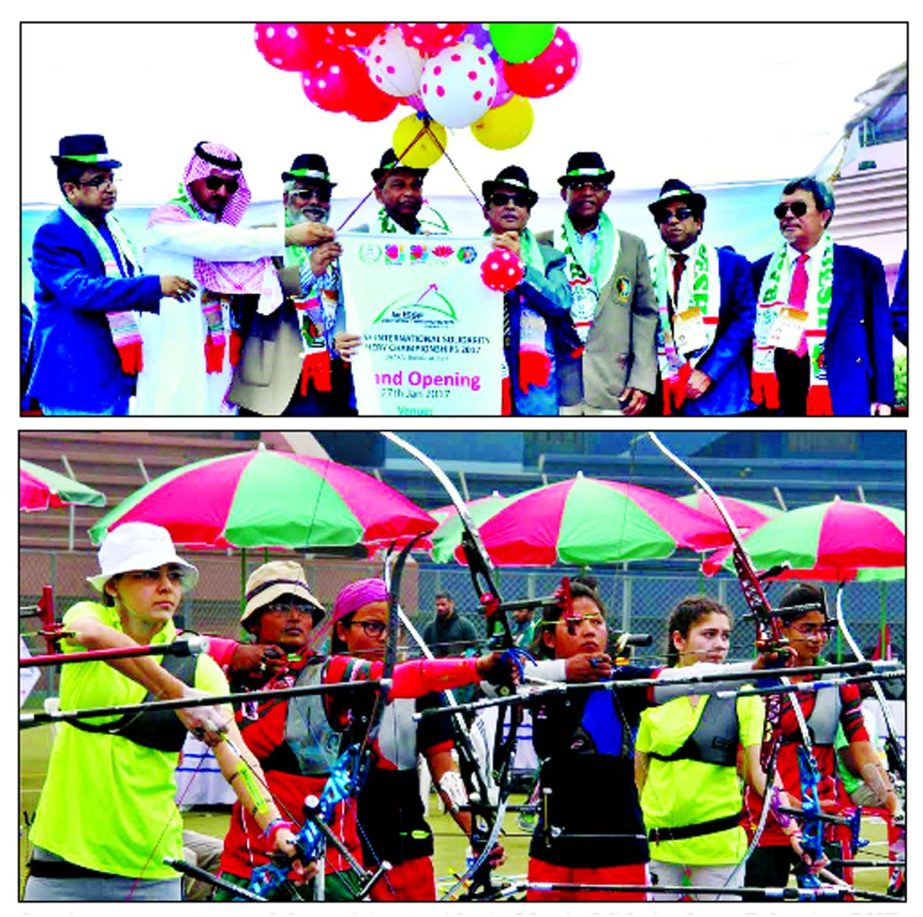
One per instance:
(426, 150)
(505, 127)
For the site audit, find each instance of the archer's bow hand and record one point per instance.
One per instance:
(208, 723)
(499, 669)
(778, 657)
(256, 662)
(280, 843)
(496, 857)
(588, 667)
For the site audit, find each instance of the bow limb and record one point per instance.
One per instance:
(488, 806)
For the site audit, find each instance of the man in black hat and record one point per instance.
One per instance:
(613, 308)
(285, 366)
(89, 289)
(399, 190)
(541, 346)
(707, 308)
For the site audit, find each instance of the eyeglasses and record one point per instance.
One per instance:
(798, 209)
(101, 181)
(215, 182)
(811, 630)
(173, 574)
(306, 194)
(680, 214)
(371, 628)
(288, 607)
(499, 199)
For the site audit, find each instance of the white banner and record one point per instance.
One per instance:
(432, 333)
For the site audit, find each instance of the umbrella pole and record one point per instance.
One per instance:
(883, 624)
(243, 580)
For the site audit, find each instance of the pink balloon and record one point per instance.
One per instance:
(371, 104)
(290, 45)
(501, 270)
(548, 73)
(503, 93)
(431, 37)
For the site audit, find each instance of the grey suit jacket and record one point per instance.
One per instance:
(621, 349)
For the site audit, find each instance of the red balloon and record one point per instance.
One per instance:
(501, 270)
(336, 79)
(356, 34)
(290, 45)
(430, 38)
(371, 104)
(548, 73)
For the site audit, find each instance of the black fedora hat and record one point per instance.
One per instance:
(583, 166)
(675, 190)
(389, 163)
(309, 166)
(514, 177)
(89, 149)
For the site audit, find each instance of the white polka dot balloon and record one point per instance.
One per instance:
(458, 85)
(393, 67)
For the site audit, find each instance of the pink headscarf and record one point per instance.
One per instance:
(357, 594)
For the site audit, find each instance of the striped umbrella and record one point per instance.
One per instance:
(41, 488)
(586, 521)
(839, 540)
(271, 499)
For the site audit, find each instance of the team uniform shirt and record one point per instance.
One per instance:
(686, 791)
(391, 814)
(585, 743)
(107, 802)
(297, 741)
(847, 710)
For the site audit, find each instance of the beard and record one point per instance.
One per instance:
(310, 214)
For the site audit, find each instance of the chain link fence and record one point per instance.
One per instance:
(638, 598)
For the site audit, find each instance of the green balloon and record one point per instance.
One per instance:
(516, 42)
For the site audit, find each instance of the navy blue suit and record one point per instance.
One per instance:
(76, 365)
(726, 361)
(857, 350)
(899, 303)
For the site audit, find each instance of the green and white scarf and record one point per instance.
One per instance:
(774, 292)
(123, 326)
(700, 288)
(586, 280)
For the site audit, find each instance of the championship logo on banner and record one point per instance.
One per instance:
(431, 331)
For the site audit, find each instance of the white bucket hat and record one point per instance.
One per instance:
(139, 546)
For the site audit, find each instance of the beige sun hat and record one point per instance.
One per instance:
(275, 579)
(139, 546)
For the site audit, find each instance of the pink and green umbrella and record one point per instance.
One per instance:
(585, 521)
(271, 499)
(748, 515)
(838, 541)
(41, 488)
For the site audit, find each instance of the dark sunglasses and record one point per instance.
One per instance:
(99, 182)
(371, 628)
(499, 199)
(215, 182)
(306, 194)
(683, 213)
(798, 209)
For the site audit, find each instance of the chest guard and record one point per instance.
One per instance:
(825, 716)
(584, 726)
(715, 737)
(397, 735)
(157, 729)
(314, 743)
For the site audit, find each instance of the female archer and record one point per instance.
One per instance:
(299, 741)
(106, 817)
(687, 757)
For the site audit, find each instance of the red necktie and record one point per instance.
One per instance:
(679, 265)
(799, 290)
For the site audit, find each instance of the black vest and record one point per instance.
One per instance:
(714, 739)
(158, 729)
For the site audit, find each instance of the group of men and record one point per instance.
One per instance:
(231, 319)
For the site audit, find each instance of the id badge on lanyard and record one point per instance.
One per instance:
(788, 329)
(689, 332)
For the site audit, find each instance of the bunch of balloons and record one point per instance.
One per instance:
(453, 74)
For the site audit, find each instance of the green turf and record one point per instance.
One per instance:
(35, 745)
